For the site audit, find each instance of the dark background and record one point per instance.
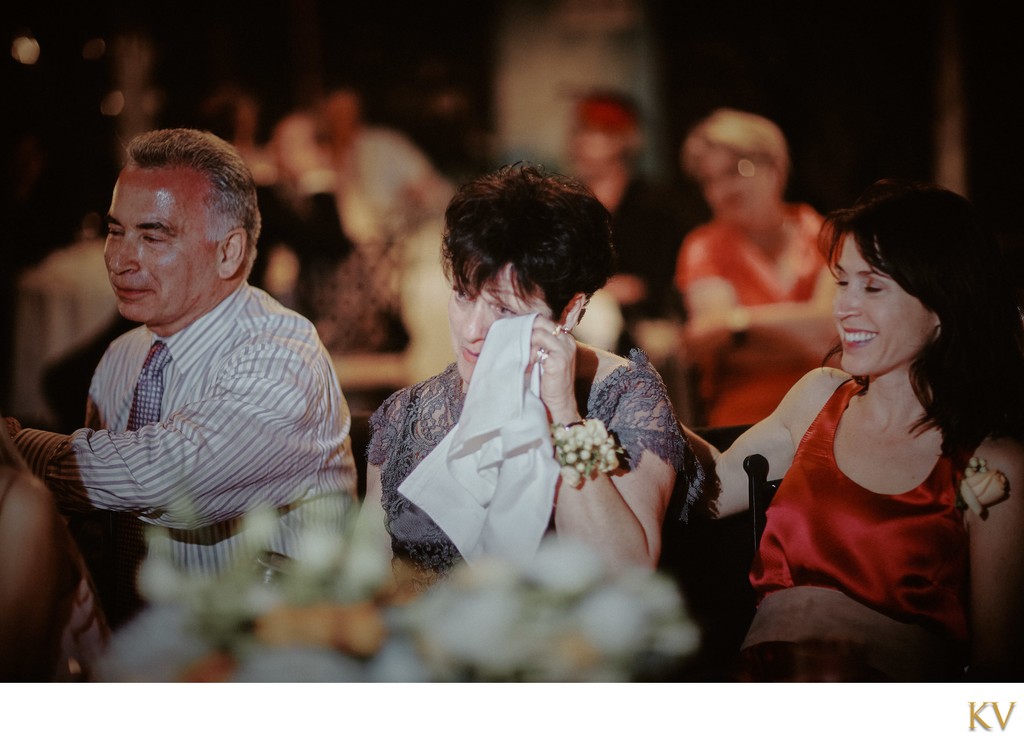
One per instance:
(851, 84)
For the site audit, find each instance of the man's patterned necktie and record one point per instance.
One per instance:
(129, 544)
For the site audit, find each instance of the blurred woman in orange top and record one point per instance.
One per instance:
(756, 288)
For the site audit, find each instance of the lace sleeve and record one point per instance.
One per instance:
(634, 403)
(403, 431)
(385, 426)
(412, 421)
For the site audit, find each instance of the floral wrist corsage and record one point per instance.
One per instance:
(584, 449)
(980, 487)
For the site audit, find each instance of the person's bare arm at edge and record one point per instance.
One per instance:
(997, 571)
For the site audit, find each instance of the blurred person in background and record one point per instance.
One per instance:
(42, 208)
(303, 241)
(236, 115)
(755, 284)
(390, 292)
(649, 220)
(386, 184)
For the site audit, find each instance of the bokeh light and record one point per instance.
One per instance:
(94, 49)
(25, 49)
(112, 104)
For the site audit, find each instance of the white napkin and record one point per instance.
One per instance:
(490, 483)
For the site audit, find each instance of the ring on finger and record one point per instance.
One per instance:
(542, 354)
(558, 329)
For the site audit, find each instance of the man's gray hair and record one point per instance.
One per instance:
(232, 196)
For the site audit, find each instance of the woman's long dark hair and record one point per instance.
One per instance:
(930, 241)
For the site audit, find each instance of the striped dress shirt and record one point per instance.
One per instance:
(252, 416)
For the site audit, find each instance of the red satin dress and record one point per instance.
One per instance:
(902, 555)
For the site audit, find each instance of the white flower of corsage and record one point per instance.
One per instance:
(981, 487)
(583, 450)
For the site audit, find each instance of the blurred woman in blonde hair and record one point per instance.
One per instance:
(755, 285)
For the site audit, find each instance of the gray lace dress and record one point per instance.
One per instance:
(632, 401)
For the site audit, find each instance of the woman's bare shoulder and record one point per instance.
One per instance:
(1004, 449)
(821, 381)
(806, 398)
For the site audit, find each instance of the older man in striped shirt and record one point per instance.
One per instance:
(250, 415)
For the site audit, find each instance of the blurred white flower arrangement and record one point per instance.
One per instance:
(331, 616)
(564, 617)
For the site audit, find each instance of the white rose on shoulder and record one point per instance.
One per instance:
(981, 487)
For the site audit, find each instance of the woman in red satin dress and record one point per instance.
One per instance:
(871, 566)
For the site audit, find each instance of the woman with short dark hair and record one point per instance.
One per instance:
(522, 242)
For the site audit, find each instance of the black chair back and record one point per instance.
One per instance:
(709, 559)
(760, 491)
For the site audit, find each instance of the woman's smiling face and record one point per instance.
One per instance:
(882, 327)
(470, 317)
